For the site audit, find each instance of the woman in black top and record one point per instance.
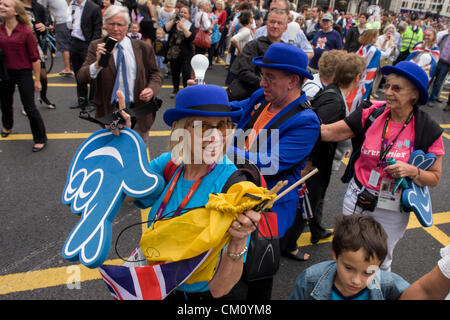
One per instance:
(180, 48)
(40, 21)
(144, 7)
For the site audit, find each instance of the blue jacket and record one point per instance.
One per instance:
(296, 139)
(316, 282)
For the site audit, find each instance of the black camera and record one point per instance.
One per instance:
(109, 46)
(178, 17)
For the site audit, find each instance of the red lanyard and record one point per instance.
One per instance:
(186, 199)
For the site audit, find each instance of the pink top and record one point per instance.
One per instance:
(400, 151)
(20, 48)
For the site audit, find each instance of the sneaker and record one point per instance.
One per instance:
(24, 113)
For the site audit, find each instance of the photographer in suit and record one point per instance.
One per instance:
(86, 25)
(131, 68)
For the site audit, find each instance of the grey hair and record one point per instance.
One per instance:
(113, 10)
(202, 3)
(402, 26)
(389, 26)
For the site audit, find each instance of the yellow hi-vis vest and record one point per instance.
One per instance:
(411, 38)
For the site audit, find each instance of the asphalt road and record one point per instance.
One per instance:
(34, 223)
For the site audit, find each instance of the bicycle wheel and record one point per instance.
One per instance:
(48, 56)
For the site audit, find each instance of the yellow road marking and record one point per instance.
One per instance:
(439, 235)
(435, 232)
(60, 276)
(47, 278)
(445, 126)
(446, 135)
(74, 135)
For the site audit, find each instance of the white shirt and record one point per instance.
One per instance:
(243, 36)
(312, 86)
(299, 40)
(130, 61)
(389, 50)
(444, 262)
(205, 23)
(76, 26)
(58, 8)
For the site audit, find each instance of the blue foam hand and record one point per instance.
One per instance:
(104, 170)
(417, 198)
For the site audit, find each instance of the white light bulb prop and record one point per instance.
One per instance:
(199, 64)
(293, 28)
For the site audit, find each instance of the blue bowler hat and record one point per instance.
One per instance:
(285, 57)
(201, 101)
(413, 73)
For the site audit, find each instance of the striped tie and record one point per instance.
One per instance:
(121, 70)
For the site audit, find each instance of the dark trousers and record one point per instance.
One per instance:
(438, 79)
(317, 186)
(222, 42)
(204, 51)
(24, 80)
(78, 53)
(402, 56)
(177, 68)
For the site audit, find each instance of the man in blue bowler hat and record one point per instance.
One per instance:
(278, 130)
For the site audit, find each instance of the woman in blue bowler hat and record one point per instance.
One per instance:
(201, 121)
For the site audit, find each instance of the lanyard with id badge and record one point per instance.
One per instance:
(387, 199)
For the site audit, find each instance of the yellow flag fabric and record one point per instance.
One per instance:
(202, 229)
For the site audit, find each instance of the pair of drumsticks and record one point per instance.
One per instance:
(281, 184)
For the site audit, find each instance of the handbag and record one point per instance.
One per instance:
(263, 257)
(202, 39)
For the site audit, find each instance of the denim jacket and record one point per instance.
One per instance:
(316, 282)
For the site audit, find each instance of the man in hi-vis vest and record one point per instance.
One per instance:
(410, 38)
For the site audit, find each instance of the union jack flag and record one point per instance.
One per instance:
(149, 282)
(418, 54)
(372, 56)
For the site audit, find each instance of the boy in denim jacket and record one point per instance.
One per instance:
(359, 247)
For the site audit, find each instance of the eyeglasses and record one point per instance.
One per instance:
(206, 128)
(114, 24)
(396, 88)
(269, 78)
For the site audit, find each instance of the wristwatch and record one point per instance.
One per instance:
(237, 256)
(418, 174)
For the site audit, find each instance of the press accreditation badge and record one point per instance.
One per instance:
(387, 200)
(374, 178)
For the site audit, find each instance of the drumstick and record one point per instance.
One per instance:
(280, 185)
(309, 175)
